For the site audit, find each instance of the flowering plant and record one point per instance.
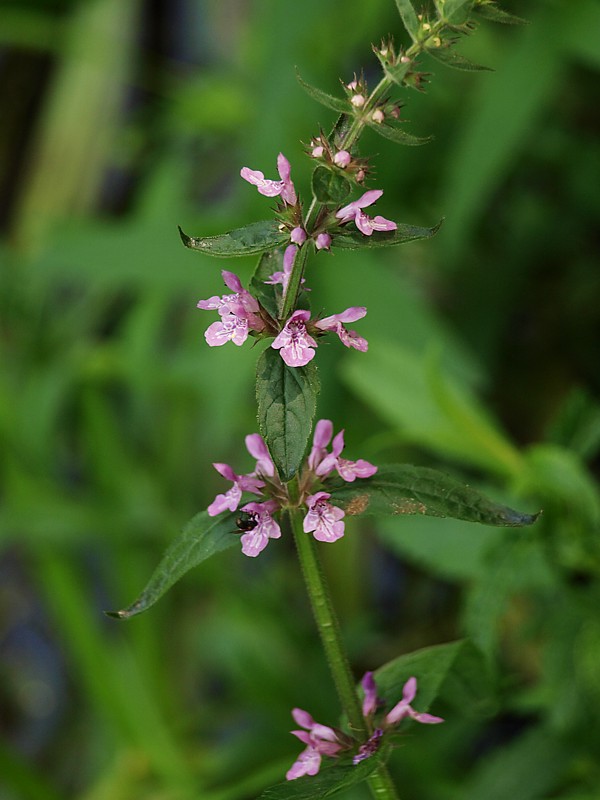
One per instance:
(310, 496)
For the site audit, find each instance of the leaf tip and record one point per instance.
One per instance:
(187, 240)
(117, 614)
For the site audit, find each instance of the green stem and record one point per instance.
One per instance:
(379, 781)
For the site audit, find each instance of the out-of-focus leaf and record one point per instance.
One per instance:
(447, 548)
(330, 186)
(457, 670)
(327, 100)
(201, 538)
(287, 402)
(398, 135)
(438, 413)
(327, 782)
(528, 768)
(450, 58)
(400, 489)
(354, 239)
(253, 238)
(409, 18)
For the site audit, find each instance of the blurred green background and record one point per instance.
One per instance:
(124, 118)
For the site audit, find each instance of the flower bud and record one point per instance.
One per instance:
(342, 158)
(323, 241)
(318, 151)
(378, 116)
(358, 100)
(298, 236)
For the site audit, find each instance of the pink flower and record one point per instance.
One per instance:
(370, 701)
(268, 188)
(231, 499)
(320, 740)
(365, 224)
(323, 520)
(397, 714)
(255, 540)
(323, 463)
(294, 342)
(335, 323)
(252, 482)
(323, 241)
(238, 311)
(403, 709)
(283, 277)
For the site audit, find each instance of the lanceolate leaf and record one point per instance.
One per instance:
(451, 58)
(493, 12)
(401, 489)
(253, 238)
(201, 538)
(398, 135)
(331, 779)
(354, 239)
(287, 402)
(409, 18)
(328, 100)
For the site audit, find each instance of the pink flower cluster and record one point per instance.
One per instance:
(322, 519)
(321, 740)
(297, 346)
(239, 314)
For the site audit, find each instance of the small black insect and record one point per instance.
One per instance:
(246, 521)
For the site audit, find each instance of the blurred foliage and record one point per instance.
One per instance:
(124, 118)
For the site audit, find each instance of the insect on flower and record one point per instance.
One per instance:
(245, 522)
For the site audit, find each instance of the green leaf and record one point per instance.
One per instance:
(397, 135)
(457, 11)
(493, 12)
(329, 186)
(457, 670)
(329, 781)
(202, 537)
(451, 58)
(327, 100)
(287, 402)
(253, 238)
(409, 18)
(267, 294)
(354, 239)
(408, 489)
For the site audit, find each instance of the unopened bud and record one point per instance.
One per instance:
(318, 151)
(360, 176)
(404, 60)
(358, 100)
(352, 85)
(378, 116)
(298, 236)
(323, 241)
(342, 158)
(436, 41)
